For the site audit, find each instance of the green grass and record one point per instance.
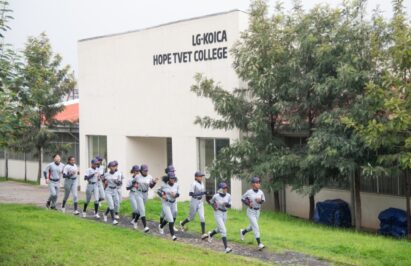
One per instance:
(36, 236)
(2, 179)
(282, 232)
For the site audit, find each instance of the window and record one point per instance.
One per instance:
(208, 150)
(97, 145)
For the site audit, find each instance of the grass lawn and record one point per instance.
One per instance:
(283, 232)
(36, 236)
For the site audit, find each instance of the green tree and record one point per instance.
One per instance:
(46, 83)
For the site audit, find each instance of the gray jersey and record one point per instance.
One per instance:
(70, 171)
(119, 184)
(92, 172)
(144, 182)
(252, 196)
(167, 190)
(113, 179)
(101, 172)
(220, 203)
(130, 183)
(53, 171)
(197, 190)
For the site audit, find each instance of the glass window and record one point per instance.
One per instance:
(208, 150)
(97, 145)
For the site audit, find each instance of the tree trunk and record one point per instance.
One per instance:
(40, 152)
(25, 167)
(312, 204)
(357, 197)
(6, 161)
(407, 198)
(277, 201)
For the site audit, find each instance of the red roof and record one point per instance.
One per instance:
(70, 113)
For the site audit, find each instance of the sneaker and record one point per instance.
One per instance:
(135, 226)
(228, 250)
(84, 214)
(115, 222)
(209, 237)
(175, 229)
(174, 238)
(181, 226)
(261, 246)
(146, 229)
(76, 212)
(97, 216)
(48, 205)
(241, 235)
(160, 230)
(105, 218)
(116, 216)
(63, 210)
(204, 237)
(53, 208)
(132, 222)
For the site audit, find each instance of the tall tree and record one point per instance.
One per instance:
(46, 83)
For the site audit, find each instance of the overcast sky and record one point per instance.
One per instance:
(67, 21)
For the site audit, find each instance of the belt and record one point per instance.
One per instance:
(92, 183)
(256, 209)
(171, 201)
(112, 187)
(223, 210)
(198, 198)
(144, 191)
(73, 178)
(55, 180)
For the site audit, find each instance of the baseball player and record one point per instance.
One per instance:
(53, 173)
(253, 199)
(132, 187)
(119, 193)
(70, 173)
(220, 202)
(197, 191)
(102, 171)
(169, 193)
(169, 169)
(111, 180)
(144, 183)
(92, 177)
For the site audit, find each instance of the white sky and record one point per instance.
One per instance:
(67, 21)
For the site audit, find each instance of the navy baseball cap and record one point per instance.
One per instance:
(94, 161)
(171, 175)
(222, 185)
(99, 158)
(135, 168)
(144, 167)
(170, 168)
(199, 173)
(255, 179)
(112, 163)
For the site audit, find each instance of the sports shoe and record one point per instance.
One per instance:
(175, 229)
(84, 214)
(228, 250)
(241, 235)
(260, 246)
(174, 238)
(63, 210)
(53, 208)
(181, 226)
(76, 212)
(135, 226)
(132, 222)
(48, 205)
(105, 218)
(204, 237)
(209, 237)
(115, 222)
(146, 229)
(97, 216)
(160, 230)
(116, 216)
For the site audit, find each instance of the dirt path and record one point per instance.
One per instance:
(14, 192)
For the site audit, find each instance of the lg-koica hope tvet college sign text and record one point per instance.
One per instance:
(197, 55)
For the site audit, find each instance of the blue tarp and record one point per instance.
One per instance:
(333, 212)
(393, 222)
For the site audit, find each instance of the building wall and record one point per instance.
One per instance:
(371, 204)
(16, 169)
(125, 96)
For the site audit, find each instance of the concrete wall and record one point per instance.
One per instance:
(371, 204)
(16, 170)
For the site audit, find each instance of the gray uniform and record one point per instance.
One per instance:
(219, 204)
(197, 191)
(170, 203)
(119, 192)
(133, 194)
(92, 186)
(53, 173)
(144, 183)
(111, 190)
(253, 211)
(101, 192)
(70, 181)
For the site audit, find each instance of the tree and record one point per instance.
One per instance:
(46, 82)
